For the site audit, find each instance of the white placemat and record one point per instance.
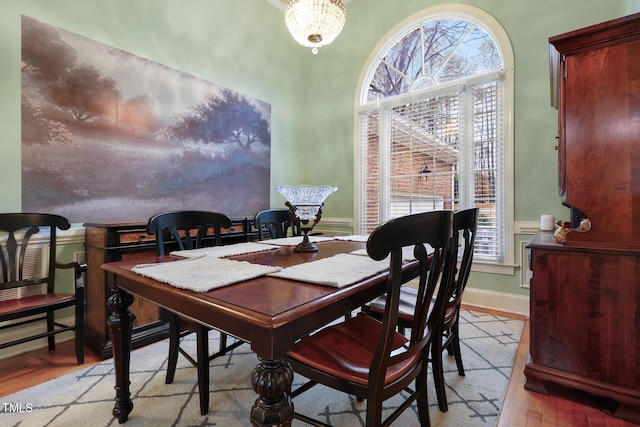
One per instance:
(204, 273)
(354, 238)
(224, 250)
(295, 240)
(407, 252)
(339, 270)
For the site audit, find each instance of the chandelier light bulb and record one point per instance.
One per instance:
(314, 23)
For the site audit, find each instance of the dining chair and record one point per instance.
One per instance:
(465, 225)
(273, 223)
(184, 230)
(32, 293)
(369, 358)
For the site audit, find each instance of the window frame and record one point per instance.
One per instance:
(489, 24)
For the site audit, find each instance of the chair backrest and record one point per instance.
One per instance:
(429, 234)
(273, 223)
(465, 226)
(186, 229)
(17, 230)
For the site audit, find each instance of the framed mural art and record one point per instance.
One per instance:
(108, 136)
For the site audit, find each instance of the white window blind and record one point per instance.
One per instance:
(436, 152)
(370, 170)
(488, 168)
(424, 155)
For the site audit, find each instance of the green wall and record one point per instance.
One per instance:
(244, 45)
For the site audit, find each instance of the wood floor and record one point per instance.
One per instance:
(521, 408)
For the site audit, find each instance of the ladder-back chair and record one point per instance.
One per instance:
(184, 230)
(368, 358)
(32, 295)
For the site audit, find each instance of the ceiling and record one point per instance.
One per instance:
(281, 4)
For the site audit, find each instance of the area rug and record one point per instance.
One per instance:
(86, 397)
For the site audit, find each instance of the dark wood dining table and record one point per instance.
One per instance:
(269, 313)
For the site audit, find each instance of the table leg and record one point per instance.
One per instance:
(121, 325)
(272, 380)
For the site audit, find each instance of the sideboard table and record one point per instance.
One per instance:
(111, 242)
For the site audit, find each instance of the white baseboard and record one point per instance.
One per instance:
(500, 301)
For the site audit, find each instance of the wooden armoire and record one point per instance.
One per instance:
(585, 291)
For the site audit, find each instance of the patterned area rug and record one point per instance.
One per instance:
(85, 397)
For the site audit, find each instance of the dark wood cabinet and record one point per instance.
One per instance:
(585, 324)
(585, 294)
(599, 117)
(120, 241)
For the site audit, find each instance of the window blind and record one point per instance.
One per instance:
(439, 152)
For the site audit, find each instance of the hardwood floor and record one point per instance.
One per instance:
(521, 408)
(30, 369)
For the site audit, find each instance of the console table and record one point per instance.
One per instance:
(124, 241)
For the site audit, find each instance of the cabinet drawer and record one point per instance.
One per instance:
(134, 236)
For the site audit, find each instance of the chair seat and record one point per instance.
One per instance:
(34, 303)
(407, 305)
(346, 350)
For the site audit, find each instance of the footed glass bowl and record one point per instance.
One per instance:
(305, 208)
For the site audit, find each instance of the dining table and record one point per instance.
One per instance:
(269, 312)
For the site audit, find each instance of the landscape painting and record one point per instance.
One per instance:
(108, 136)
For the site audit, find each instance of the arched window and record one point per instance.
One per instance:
(435, 125)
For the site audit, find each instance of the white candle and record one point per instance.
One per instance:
(547, 222)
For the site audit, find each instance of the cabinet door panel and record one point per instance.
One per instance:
(584, 315)
(601, 124)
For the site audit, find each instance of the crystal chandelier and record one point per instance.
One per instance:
(314, 23)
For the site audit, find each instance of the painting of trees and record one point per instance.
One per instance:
(84, 93)
(109, 136)
(228, 118)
